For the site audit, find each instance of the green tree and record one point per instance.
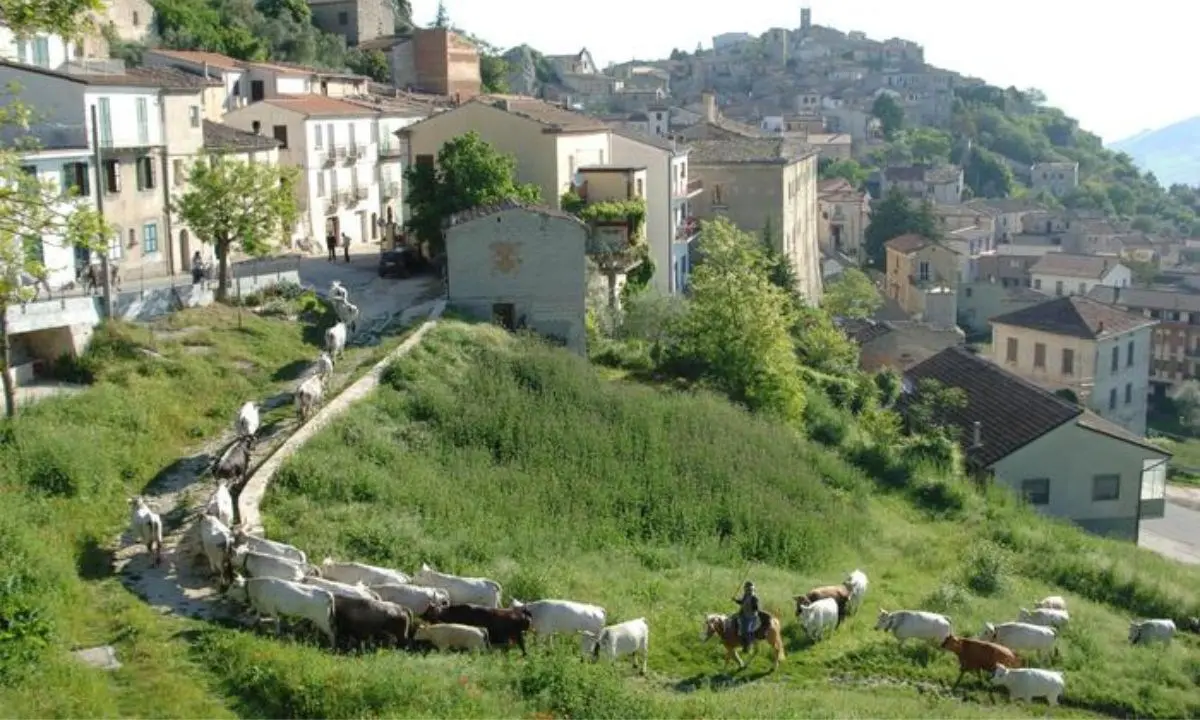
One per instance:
(297, 10)
(371, 63)
(493, 73)
(929, 145)
(820, 344)
(35, 215)
(737, 327)
(1143, 272)
(845, 168)
(932, 406)
(443, 18)
(896, 216)
(779, 267)
(469, 173)
(988, 175)
(229, 201)
(890, 115)
(852, 295)
(1187, 404)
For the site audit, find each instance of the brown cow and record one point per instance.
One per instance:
(840, 594)
(359, 621)
(504, 626)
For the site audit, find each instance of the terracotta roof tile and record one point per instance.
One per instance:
(1011, 411)
(1091, 267)
(776, 151)
(321, 106)
(1075, 316)
(553, 117)
(483, 211)
(907, 243)
(220, 138)
(160, 78)
(1147, 299)
(199, 57)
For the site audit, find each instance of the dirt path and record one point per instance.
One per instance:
(181, 584)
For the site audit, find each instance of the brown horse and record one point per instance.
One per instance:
(726, 627)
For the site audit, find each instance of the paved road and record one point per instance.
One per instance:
(1177, 534)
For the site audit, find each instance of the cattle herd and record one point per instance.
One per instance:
(355, 605)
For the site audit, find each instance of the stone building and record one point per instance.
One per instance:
(356, 20)
(432, 60)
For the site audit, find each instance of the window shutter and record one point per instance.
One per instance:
(84, 175)
(140, 171)
(116, 169)
(67, 180)
(151, 177)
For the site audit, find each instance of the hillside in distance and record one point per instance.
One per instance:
(1172, 153)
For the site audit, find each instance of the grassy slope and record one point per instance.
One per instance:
(486, 455)
(66, 467)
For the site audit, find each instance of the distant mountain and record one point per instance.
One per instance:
(1172, 153)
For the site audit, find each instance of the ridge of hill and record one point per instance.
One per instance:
(1172, 152)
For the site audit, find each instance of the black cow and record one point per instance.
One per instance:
(358, 621)
(504, 626)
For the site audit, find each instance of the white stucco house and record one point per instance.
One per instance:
(522, 267)
(671, 225)
(1069, 274)
(1063, 459)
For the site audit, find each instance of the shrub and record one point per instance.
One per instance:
(947, 597)
(25, 632)
(985, 570)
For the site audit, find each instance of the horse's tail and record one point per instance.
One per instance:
(775, 635)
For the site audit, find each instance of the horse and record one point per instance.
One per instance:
(726, 627)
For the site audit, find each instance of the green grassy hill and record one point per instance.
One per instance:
(494, 456)
(483, 453)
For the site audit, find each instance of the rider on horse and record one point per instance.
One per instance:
(747, 616)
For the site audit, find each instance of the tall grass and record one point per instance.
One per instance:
(487, 455)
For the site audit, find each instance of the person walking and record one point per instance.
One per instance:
(331, 245)
(197, 268)
(346, 246)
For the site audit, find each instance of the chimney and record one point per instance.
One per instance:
(977, 435)
(205, 69)
(709, 101)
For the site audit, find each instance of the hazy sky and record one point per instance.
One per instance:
(1119, 71)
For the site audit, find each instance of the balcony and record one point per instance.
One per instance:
(349, 198)
(391, 189)
(688, 229)
(691, 190)
(329, 157)
(332, 204)
(354, 153)
(361, 193)
(391, 151)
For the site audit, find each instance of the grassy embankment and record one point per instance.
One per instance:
(67, 466)
(486, 455)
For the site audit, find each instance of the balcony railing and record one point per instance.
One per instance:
(356, 152)
(348, 198)
(695, 187)
(391, 151)
(361, 193)
(333, 203)
(329, 157)
(391, 189)
(688, 229)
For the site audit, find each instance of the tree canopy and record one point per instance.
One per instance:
(890, 115)
(469, 173)
(896, 215)
(847, 169)
(852, 295)
(234, 204)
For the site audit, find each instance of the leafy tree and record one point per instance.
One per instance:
(443, 18)
(820, 344)
(35, 215)
(929, 145)
(1143, 272)
(987, 175)
(229, 201)
(737, 327)
(932, 405)
(1187, 404)
(896, 216)
(845, 168)
(372, 63)
(889, 113)
(779, 266)
(297, 10)
(469, 173)
(852, 295)
(493, 72)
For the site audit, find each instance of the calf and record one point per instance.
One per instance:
(273, 597)
(1030, 683)
(335, 340)
(840, 594)
(978, 655)
(452, 637)
(234, 464)
(819, 618)
(504, 626)
(631, 637)
(563, 616)
(462, 590)
(352, 572)
(856, 583)
(270, 547)
(216, 543)
(414, 597)
(147, 527)
(220, 504)
(1021, 636)
(1151, 631)
(257, 565)
(308, 396)
(359, 621)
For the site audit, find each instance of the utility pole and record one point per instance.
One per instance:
(104, 270)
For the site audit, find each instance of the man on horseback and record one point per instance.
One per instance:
(747, 617)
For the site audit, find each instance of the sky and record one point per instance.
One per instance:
(1118, 71)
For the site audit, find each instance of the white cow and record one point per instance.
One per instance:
(906, 624)
(1029, 683)
(338, 589)
(347, 313)
(474, 590)
(1151, 631)
(352, 572)
(550, 617)
(308, 396)
(335, 340)
(819, 618)
(416, 598)
(273, 597)
(856, 583)
(270, 547)
(220, 504)
(1054, 602)
(1048, 617)
(258, 565)
(1018, 636)
(452, 637)
(216, 543)
(631, 637)
(324, 367)
(146, 526)
(247, 421)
